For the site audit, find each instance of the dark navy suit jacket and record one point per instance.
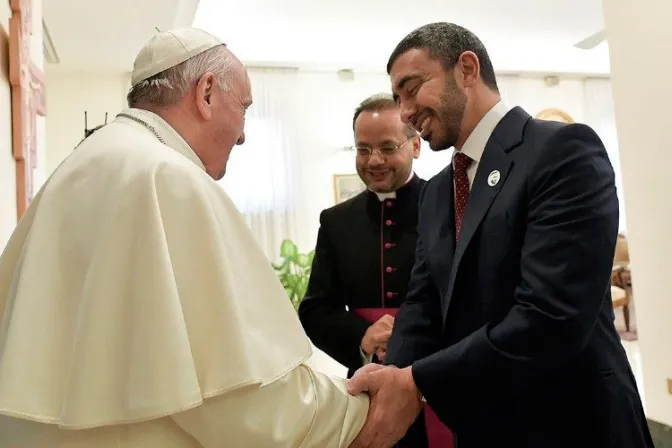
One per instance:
(510, 330)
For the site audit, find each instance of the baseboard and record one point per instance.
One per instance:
(661, 433)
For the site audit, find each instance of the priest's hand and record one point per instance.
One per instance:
(395, 404)
(375, 339)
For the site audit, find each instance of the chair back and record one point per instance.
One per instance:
(621, 256)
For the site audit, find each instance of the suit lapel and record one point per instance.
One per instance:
(507, 135)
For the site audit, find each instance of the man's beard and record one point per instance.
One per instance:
(450, 115)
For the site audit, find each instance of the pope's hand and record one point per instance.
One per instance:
(395, 404)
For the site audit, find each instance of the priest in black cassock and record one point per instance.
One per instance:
(365, 251)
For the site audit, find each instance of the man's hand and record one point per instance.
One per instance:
(395, 404)
(376, 337)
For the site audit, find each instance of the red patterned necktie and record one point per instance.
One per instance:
(460, 165)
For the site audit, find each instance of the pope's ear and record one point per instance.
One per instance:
(203, 93)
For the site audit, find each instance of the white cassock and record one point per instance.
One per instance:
(138, 312)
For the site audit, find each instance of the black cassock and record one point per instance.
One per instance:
(363, 258)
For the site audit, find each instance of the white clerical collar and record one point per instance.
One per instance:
(169, 135)
(392, 194)
(475, 144)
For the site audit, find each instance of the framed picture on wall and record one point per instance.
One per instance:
(347, 186)
(554, 114)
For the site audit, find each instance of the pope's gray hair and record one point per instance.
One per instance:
(167, 88)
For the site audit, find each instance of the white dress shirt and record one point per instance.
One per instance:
(475, 144)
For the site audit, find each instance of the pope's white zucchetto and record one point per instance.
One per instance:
(170, 48)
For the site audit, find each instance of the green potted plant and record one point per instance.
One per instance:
(294, 271)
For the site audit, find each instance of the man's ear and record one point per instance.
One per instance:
(417, 144)
(468, 69)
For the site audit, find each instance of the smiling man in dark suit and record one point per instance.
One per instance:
(507, 330)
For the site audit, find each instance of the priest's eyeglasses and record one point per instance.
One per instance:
(382, 152)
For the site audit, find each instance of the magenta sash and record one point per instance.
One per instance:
(438, 435)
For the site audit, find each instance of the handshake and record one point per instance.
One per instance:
(395, 401)
(394, 406)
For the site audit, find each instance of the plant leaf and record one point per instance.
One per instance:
(288, 249)
(302, 260)
(294, 271)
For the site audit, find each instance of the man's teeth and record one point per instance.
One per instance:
(424, 126)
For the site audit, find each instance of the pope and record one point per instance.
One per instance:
(136, 308)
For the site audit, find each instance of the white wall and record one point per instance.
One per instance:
(8, 203)
(642, 110)
(37, 53)
(68, 96)
(7, 164)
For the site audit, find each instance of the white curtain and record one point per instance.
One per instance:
(598, 112)
(262, 175)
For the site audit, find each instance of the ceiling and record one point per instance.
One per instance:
(93, 36)
(521, 35)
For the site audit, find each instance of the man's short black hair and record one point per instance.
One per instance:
(377, 103)
(446, 42)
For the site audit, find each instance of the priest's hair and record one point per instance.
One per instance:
(167, 88)
(378, 103)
